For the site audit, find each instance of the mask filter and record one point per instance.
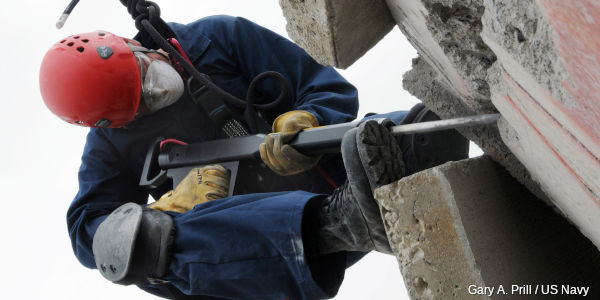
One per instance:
(162, 86)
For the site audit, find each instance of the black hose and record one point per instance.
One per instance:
(147, 18)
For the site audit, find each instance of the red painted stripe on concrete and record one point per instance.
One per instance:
(582, 183)
(517, 87)
(577, 27)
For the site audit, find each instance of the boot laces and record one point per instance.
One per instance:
(339, 200)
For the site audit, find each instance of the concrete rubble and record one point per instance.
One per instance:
(537, 62)
(466, 227)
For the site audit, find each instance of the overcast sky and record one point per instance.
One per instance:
(40, 154)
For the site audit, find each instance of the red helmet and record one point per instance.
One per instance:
(92, 79)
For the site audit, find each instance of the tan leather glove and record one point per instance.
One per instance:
(199, 186)
(275, 152)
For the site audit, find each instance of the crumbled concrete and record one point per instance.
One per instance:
(445, 32)
(450, 74)
(426, 84)
(521, 30)
(546, 85)
(538, 64)
(470, 223)
(337, 32)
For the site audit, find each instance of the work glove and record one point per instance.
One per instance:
(275, 152)
(200, 185)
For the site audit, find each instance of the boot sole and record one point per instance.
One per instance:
(380, 154)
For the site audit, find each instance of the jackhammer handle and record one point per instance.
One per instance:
(312, 141)
(152, 175)
(322, 139)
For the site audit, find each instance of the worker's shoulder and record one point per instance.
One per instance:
(215, 26)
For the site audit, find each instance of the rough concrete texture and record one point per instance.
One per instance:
(426, 84)
(450, 74)
(550, 99)
(445, 32)
(337, 32)
(538, 64)
(470, 223)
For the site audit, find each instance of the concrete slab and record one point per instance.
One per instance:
(465, 226)
(337, 32)
(537, 62)
(450, 74)
(550, 99)
(426, 84)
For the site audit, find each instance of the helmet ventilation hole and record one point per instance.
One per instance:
(76, 37)
(80, 49)
(63, 41)
(70, 44)
(85, 40)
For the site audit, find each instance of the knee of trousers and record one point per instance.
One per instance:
(132, 245)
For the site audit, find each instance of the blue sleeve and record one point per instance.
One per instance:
(104, 185)
(315, 88)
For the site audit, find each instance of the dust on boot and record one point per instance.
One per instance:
(350, 219)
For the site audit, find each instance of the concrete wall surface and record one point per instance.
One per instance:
(538, 64)
(467, 227)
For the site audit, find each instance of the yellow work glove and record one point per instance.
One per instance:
(199, 186)
(275, 152)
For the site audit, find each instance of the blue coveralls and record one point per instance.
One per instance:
(246, 246)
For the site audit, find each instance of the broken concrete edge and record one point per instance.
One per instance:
(414, 260)
(444, 60)
(418, 246)
(337, 33)
(424, 83)
(467, 41)
(469, 224)
(550, 128)
(304, 22)
(456, 38)
(445, 33)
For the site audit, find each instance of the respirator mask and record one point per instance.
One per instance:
(161, 84)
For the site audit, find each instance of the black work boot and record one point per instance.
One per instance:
(426, 150)
(350, 218)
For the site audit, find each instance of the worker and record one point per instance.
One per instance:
(195, 242)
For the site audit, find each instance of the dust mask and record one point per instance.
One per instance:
(162, 86)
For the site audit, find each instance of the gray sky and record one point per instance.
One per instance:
(41, 154)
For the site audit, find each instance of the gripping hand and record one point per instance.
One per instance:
(275, 152)
(199, 186)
